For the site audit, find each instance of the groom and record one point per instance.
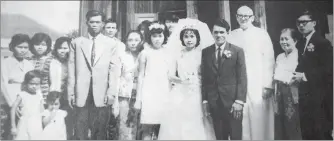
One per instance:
(224, 83)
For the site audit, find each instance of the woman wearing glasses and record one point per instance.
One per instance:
(314, 74)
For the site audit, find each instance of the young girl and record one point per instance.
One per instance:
(129, 60)
(40, 48)
(153, 84)
(31, 101)
(54, 118)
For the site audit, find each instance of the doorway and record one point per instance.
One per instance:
(208, 12)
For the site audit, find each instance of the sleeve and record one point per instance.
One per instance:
(71, 71)
(324, 51)
(4, 82)
(55, 75)
(203, 81)
(241, 77)
(268, 61)
(114, 73)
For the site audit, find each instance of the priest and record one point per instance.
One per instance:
(258, 115)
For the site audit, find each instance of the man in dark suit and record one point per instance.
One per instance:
(315, 75)
(224, 83)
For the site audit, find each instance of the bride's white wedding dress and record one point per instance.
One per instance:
(183, 119)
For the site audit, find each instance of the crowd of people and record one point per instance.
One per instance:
(177, 80)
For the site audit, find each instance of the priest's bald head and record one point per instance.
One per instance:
(245, 17)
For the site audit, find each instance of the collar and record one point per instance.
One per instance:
(97, 36)
(294, 51)
(221, 47)
(308, 37)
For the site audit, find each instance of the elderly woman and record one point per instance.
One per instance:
(13, 70)
(41, 59)
(287, 115)
(58, 78)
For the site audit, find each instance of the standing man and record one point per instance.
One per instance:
(315, 76)
(258, 122)
(111, 29)
(93, 76)
(224, 83)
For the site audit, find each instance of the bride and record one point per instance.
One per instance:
(184, 118)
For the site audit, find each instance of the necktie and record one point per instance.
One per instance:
(93, 52)
(219, 57)
(302, 45)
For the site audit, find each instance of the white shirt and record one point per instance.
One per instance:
(99, 43)
(286, 65)
(221, 48)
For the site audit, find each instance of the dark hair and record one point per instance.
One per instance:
(195, 31)
(29, 76)
(158, 31)
(145, 24)
(110, 20)
(53, 96)
(307, 13)
(93, 13)
(293, 33)
(58, 44)
(141, 47)
(222, 23)
(39, 38)
(18, 39)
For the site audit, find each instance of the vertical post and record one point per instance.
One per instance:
(260, 13)
(130, 14)
(191, 9)
(108, 10)
(224, 10)
(84, 8)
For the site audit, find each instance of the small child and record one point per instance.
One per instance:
(54, 118)
(31, 102)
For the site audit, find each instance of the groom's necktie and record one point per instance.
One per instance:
(219, 56)
(93, 52)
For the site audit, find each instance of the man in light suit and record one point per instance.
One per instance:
(93, 78)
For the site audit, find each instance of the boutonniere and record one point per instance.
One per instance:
(227, 53)
(310, 47)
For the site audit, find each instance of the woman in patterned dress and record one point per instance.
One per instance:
(58, 79)
(13, 70)
(127, 123)
(40, 48)
(287, 125)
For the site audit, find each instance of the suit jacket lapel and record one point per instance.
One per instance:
(86, 46)
(212, 58)
(227, 47)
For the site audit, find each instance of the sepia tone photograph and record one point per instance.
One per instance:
(166, 70)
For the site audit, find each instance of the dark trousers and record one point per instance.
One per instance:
(225, 124)
(312, 118)
(91, 117)
(69, 119)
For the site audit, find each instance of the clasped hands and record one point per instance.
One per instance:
(296, 78)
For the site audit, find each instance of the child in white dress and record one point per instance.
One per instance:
(31, 103)
(153, 84)
(54, 118)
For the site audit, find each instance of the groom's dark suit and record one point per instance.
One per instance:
(222, 85)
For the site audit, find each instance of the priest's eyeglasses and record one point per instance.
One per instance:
(303, 22)
(244, 16)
